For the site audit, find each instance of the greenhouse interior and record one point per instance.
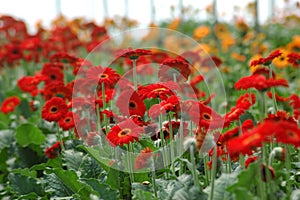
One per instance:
(163, 100)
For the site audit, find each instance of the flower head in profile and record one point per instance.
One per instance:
(294, 59)
(267, 60)
(141, 160)
(124, 132)
(53, 151)
(260, 80)
(174, 67)
(171, 104)
(29, 84)
(9, 104)
(54, 109)
(132, 54)
(158, 90)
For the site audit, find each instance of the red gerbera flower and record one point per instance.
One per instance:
(132, 54)
(202, 114)
(250, 160)
(68, 121)
(280, 115)
(142, 159)
(54, 109)
(29, 84)
(277, 97)
(211, 62)
(294, 59)
(63, 57)
(158, 56)
(171, 104)
(9, 104)
(242, 104)
(124, 133)
(158, 90)
(52, 74)
(259, 82)
(130, 103)
(57, 89)
(295, 103)
(267, 60)
(168, 66)
(53, 151)
(104, 75)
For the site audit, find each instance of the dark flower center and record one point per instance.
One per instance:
(68, 119)
(103, 76)
(52, 77)
(132, 105)
(207, 116)
(124, 132)
(53, 109)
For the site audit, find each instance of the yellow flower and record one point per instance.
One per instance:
(174, 24)
(238, 57)
(255, 57)
(221, 30)
(201, 32)
(294, 45)
(282, 61)
(227, 41)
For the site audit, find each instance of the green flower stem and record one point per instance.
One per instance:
(241, 156)
(206, 171)
(179, 146)
(104, 104)
(265, 153)
(59, 137)
(129, 160)
(260, 183)
(273, 90)
(135, 78)
(288, 171)
(153, 177)
(194, 170)
(213, 173)
(171, 143)
(162, 142)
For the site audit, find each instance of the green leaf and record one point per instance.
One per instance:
(25, 172)
(4, 118)
(113, 178)
(295, 195)
(221, 184)
(3, 159)
(103, 189)
(29, 196)
(27, 134)
(90, 168)
(23, 185)
(6, 138)
(24, 108)
(72, 159)
(56, 186)
(246, 180)
(94, 152)
(70, 180)
(142, 195)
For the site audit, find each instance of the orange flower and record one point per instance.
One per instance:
(201, 32)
